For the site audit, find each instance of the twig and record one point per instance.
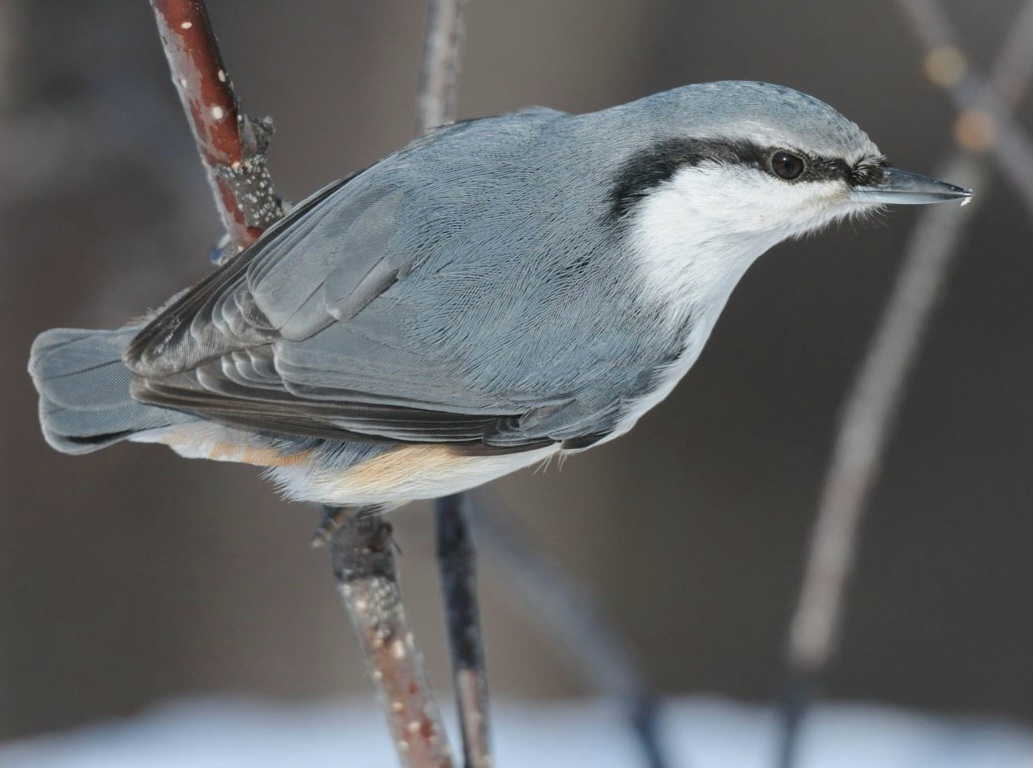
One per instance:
(867, 420)
(868, 417)
(442, 55)
(985, 121)
(364, 569)
(875, 397)
(231, 144)
(456, 561)
(436, 105)
(232, 148)
(574, 621)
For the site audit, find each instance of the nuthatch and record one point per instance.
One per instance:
(496, 293)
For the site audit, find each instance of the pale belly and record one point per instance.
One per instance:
(406, 473)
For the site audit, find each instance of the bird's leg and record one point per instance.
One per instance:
(366, 577)
(456, 562)
(333, 519)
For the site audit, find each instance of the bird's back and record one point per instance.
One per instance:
(469, 273)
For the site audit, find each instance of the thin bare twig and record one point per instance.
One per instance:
(985, 121)
(232, 148)
(1014, 66)
(436, 105)
(869, 416)
(874, 399)
(231, 144)
(442, 57)
(364, 569)
(456, 561)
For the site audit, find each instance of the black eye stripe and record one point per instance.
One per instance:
(867, 172)
(649, 168)
(825, 168)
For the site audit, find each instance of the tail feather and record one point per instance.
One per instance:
(83, 385)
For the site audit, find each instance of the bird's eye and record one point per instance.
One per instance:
(787, 165)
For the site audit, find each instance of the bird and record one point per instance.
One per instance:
(500, 292)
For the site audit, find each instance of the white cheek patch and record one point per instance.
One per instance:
(736, 200)
(695, 236)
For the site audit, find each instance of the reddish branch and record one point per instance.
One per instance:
(364, 569)
(232, 148)
(231, 144)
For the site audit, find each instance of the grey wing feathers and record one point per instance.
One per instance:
(239, 399)
(264, 342)
(219, 314)
(432, 298)
(84, 390)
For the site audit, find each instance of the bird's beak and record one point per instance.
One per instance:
(903, 187)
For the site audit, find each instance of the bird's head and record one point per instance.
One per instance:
(720, 172)
(760, 158)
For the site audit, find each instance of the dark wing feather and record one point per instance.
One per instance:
(188, 322)
(277, 411)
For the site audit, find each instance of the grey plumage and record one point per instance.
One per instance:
(457, 334)
(474, 289)
(84, 390)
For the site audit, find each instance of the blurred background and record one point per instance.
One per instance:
(131, 575)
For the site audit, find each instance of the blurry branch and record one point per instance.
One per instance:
(436, 105)
(562, 608)
(869, 414)
(442, 57)
(456, 561)
(232, 145)
(568, 613)
(1011, 74)
(985, 122)
(574, 621)
(10, 26)
(874, 400)
(232, 148)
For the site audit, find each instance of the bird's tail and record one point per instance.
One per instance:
(83, 385)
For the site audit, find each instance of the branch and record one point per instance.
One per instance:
(436, 105)
(232, 145)
(442, 54)
(869, 416)
(364, 570)
(232, 149)
(985, 121)
(456, 562)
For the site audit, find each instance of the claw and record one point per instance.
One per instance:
(333, 519)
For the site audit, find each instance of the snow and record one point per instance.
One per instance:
(702, 732)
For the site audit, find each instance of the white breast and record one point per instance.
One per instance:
(691, 246)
